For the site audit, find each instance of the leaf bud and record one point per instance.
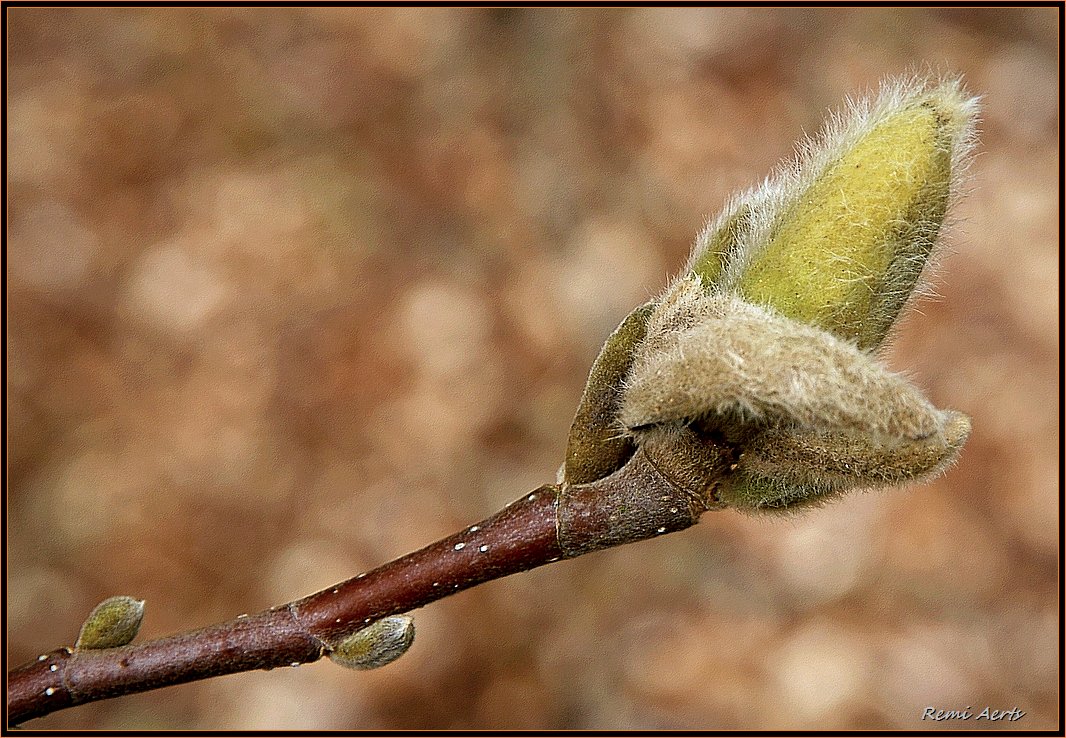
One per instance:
(376, 645)
(112, 623)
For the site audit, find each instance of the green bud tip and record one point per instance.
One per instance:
(839, 239)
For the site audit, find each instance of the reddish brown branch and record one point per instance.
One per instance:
(520, 537)
(550, 523)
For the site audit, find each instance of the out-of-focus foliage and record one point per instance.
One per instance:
(294, 291)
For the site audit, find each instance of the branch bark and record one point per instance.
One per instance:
(553, 522)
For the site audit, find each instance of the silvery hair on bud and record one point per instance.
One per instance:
(748, 220)
(818, 416)
(716, 355)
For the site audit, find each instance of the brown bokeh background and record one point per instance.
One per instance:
(292, 292)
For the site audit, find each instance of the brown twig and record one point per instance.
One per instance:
(638, 501)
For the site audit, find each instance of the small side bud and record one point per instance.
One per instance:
(376, 645)
(112, 623)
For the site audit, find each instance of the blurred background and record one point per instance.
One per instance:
(292, 292)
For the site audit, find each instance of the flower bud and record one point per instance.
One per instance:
(764, 342)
